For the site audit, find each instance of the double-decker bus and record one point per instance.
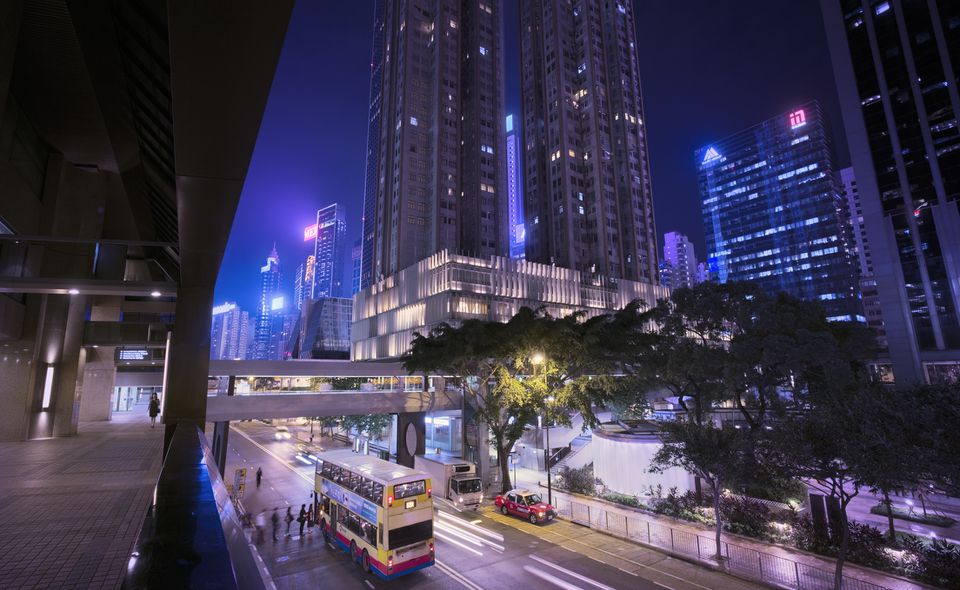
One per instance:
(379, 512)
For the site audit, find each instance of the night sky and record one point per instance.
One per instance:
(708, 68)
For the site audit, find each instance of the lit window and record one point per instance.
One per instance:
(483, 50)
(572, 154)
(413, 121)
(582, 68)
(882, 8)
(453, 24)
(580, 208)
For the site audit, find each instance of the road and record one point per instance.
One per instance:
(475, 550)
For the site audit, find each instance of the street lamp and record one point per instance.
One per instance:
(549, 480)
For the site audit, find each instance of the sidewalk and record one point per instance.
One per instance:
(70, 508)
(530, 479)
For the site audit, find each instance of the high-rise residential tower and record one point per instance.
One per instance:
(515, 189)
(329, 251)
(356, 266)
(442, 179)
(229, 332)
(270, 310)
(678, 253)
(371, 179)
(586, 172)
(773, 213)
(896, 64)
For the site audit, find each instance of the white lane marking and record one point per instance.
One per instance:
(466, 536)
(572, 573)
(470, 526)
(368, 583)
(456, 575)
(477, 521)
(627, 571)
(453, 541)
(550, 578)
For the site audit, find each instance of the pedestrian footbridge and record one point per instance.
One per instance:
(246, 390)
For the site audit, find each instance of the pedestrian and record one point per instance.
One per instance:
(288, 519)
(310, 522)
(154, 409)
(261, 524)
(302, 519)
(259, 477)
(275, 522)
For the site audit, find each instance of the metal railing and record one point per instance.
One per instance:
(736, 559)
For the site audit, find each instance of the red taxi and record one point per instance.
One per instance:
(526, 505)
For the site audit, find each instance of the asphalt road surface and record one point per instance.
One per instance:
(475, 549)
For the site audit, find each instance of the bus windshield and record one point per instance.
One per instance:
(467, 486)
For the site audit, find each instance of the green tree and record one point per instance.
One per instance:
(369, 425)
(715, 455)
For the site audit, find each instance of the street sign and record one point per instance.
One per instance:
(239, 481)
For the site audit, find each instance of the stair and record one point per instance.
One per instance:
(576, 458)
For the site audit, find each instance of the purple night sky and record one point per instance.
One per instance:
(709, 69)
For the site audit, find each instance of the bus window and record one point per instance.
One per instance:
(381, 534)
(405, 490)
(369, 532)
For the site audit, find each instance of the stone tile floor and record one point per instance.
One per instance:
(71, 508)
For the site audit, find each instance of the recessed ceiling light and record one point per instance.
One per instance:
(74, 292)
(155, 293)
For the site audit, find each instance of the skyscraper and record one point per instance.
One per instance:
(773, 214)
(269, 312)
(442, 179)
(371, 183)
(515, 191)
(678, 253)
(229, 332)
(896, 65)
(869, 297)
(356, 266)
(586, 173)
(329, 252)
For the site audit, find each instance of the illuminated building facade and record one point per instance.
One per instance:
(451, 288)
(229, 332)
(586, 172)
(322, 330)
(356, 266)
(896, 64)
(442, 179)
(329, 250)
(773, 213)
(679, 256)
(371, 179)
(515, 190)
(270, 311)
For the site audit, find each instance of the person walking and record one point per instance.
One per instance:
(288, 519)
(275, 522)
(259, 477)
(310, 522)
(261, 524)
(302, 519)
(154, 409)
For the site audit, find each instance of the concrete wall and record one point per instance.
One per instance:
(622, 462)
(15, 370)
(98, 377)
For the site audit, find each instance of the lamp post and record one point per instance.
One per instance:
(549, 479)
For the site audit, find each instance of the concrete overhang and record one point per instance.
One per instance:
(306, 368)
(63, 286)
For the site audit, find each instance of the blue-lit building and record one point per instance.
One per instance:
(266, 343)
(329, 249)
(515, 191)
(773, 214)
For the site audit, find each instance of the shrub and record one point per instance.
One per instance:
(578, 481)
(866, 545)
(936, 563)
(745, 516)
(683, 506)
(624, 499)
(777, 489)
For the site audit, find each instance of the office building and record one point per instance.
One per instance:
(372, 172)
(329, 251)
(773, 213)
(356, 266)
(665, 272)
(269, 311)
(703, 272)
(442, 179)
(586, 173)
(322, 329)
(451, 288)
(869, 296)
(515, 190)
(679, 255)
(896, 65)
(229, 333)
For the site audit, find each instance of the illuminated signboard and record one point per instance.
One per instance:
(276, 303)
(310, 232)
(136, 354)
(710, 155)
(353, 502)
(798, 119)
(218, 309)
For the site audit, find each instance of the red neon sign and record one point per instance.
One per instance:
(310, 232)
(797, 119)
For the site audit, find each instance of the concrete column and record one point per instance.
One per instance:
(411, 437)
(9, 31)
(99, 375)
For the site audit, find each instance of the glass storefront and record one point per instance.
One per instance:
(124, 399)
